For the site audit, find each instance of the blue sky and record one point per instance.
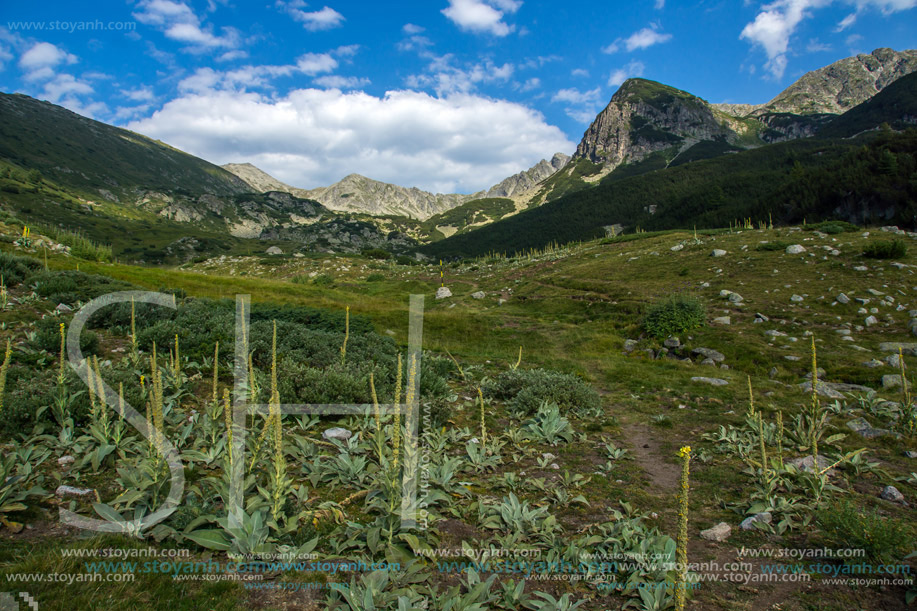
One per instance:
(445, 95)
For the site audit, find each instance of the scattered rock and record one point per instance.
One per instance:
(548, 456)
(871, 320)
(842, 298)
(749, 522)
(861, 427)
(893, 360)
(824, 389)
(775, 333)
(795, 249)
(718, 533)
(890, 493)
(478, 295)
(443, 292)
(630, 345)
(892, 380)
(672, 342)
(708, 362)
(63, 307)
(273, 250)
(807, 463)
(722, 320)
(772, 373)
(910, 454)
(717, 357)
(337, 433)
(895, 346)
(677, 247)
(713, 381)
(70, 491)
(796, 298)
(63, 461)
(718, 253)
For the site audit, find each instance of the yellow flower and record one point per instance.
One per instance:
(685, 451)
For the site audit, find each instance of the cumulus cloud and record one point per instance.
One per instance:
(482, 16)
(641, 39)
(335, 81)
(45, 55)
(445, 78)
(65, 85)
(410, 28)
(312, 137)
(620, 75)
(776, 23)
(325, 19)
(177, 21)
(581, 106)
(140, 94)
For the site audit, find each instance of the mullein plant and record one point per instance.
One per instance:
(4, 296)
(483, 426)
(346, 334)
(816, 415)
(156, 401)
(681, 549)
(3, 370)
(135, 353)
(396, 426)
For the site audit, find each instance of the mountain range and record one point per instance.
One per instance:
(58, 166)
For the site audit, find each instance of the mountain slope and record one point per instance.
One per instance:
(840, 86)
(104, 160)
(895, 105)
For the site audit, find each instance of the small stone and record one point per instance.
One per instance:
(718, 253)
(890, 493)
(872, 363)
(63, 307)
(795, 249)
(273, 250)
(861, 268)
(672, 342)
(910, 454)
(772, 373)
(775, 333)
(790, 357)
(871, 320)
(443, 292)
(548, 456)
(715, 356)
(749, 522)
(70, 491)
(842, 298)
(338, 433)
(761, 317)
(478, 295)
(796, 298)
(806, 463)
(892, 380)
(677, 247)
(63, 461)
(722, 320)
(718, 533)
(555, 466)
(630, 345)
(893, 360)
(843, 331)
(712, 381)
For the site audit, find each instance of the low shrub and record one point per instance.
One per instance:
(71, 286)
(16, 269)
(833, 227)
(883, 538)
(885, 249)
(674, 314)
(375, 277)
(772, 246)
(323, 280)
(377, 253)
(525, 390)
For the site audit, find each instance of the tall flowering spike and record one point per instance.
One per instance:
(91, 386)
(346, 334)
(761, 444)
(376, 414)
(483, 426)
(121, 400)
(216, 370)
(751, 399)
(60, 373)
(3, 369)
(133, 329)
(227, 418)
(274, 363)
(907, 394)
(177, 363)
(780, 438)
(396, 428)
(681, 550)
(815, 405)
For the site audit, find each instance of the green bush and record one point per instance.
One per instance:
(16, 269)
(674, 314)
(885, 249)
(375, 277)
(323, 280)
(883, 538)
(377, 253)
(72, 286)
(525, 390)
(771, 246)
(833, 227)
(47, 337)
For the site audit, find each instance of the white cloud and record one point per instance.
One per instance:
(445, 78)
(335, 81)
(316, 63)
(410, 28)
(45, 55)
(232, 55)
(647, 37)
(641, 39)
(776, 23)
(582, 106)
(816, 46)
(620, 75)
(580, 72)
(128, 112)
(314, 137)
(325, 19)
(481, 17)
(177, 21)
(141, 94)
(660, 4)
(65, 85)
(530, 84)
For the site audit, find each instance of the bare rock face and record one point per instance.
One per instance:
(644, 117)
(840, 86)
(525, 181)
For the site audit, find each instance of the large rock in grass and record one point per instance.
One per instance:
(711, 381)
(718, 533)
(795, 249)
(337, 433)
(443, 292)
(707, 353)
(749, 522)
